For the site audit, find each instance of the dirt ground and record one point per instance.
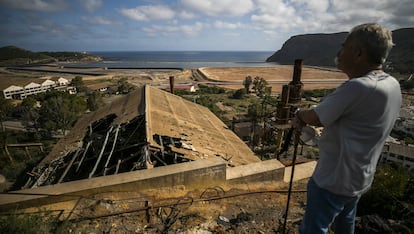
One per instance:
(253, 208)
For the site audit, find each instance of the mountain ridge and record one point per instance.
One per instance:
(320, 49)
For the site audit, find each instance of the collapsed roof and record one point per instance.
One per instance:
(144, 129)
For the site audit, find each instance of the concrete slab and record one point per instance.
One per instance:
(302, 171)
(270, 170)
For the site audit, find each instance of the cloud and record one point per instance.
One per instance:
(311, 5)
(100, 20)
(186, 15)
(91, 5)
(41, 26)
(220, 7)
(174, 30)
(226, 25)
(275, 14)
(149, 12)
(35, 5)
(315, 16)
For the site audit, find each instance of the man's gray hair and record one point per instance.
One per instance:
(376, 39)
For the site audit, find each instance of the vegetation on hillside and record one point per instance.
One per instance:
(72, 56)
(11, 55)
(388, 207)
(14, 56)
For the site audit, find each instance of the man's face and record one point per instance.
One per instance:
(345, 57)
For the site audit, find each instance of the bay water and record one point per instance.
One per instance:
(180, 59)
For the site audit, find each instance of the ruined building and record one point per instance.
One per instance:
(146, 140)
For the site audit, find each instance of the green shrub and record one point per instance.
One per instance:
(27, 223)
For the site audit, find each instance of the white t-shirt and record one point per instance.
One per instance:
(358, 116)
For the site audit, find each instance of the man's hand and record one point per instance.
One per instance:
(297, 123)
(304, 117)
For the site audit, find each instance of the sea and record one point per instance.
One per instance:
(179, 59)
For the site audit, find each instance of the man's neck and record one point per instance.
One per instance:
(365, 70)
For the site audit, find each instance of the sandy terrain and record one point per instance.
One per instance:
(276, 76)
(226, 77)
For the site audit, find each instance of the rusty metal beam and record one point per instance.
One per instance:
(70, 165)
(83, 156)
(112, 150)
(101, 153)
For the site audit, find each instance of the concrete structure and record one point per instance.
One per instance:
(175, 130)
(22, 88)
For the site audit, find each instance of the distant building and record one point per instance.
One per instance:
(405, 124)
(104, 87)
(403, 154)
(22, 88)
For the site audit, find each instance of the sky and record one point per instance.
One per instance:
(185, 25)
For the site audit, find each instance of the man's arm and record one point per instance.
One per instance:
(304, 117)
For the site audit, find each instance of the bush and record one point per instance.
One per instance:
(318, 92)
(239, 94)
(391, 194)
(204, 89)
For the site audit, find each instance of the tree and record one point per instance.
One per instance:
(124, 86)
(59, 111)
(259, 86)
(247, 82)
(94, 101)
(5, 110)
(78, 83)
(29, 112)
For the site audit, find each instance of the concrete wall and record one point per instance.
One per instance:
(196, 174)
(270, 170)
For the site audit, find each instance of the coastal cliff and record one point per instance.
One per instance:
(321, 49)
(314, 49)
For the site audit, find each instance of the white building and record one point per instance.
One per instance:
(48, 85)
(13, 92)
(18, 91)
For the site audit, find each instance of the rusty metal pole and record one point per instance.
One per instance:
(296, 85)
(172, 84)
(295, 151)
(297, 71)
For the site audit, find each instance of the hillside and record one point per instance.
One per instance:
(321, 49)
(15, 56)
(11, 55)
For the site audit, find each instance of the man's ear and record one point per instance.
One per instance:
(360, 53)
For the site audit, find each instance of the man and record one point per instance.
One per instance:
(357, 117)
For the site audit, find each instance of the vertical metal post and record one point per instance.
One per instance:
(295, 151)
(172, 84)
